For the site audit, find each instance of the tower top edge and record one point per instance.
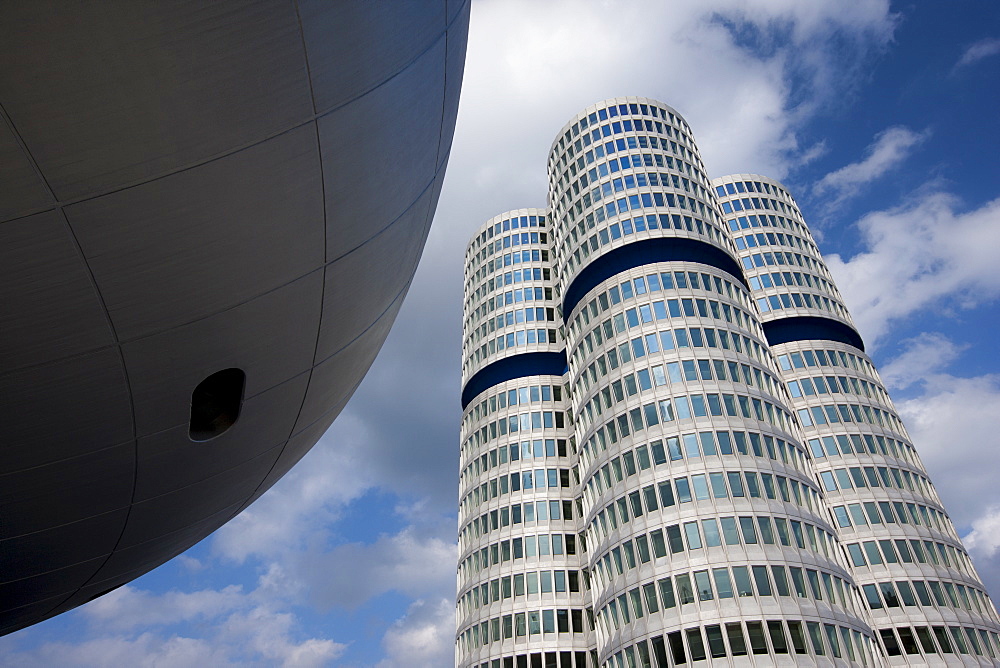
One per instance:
(506, 215)
(604, 104)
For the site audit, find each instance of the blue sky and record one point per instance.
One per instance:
(881, 118)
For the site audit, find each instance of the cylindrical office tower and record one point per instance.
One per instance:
(925, 600)
(523, 598)
(707, 535)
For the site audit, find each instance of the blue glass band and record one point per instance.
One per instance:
(805, 328)
(648, 251)
(509, 368)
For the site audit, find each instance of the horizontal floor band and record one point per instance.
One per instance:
(648, 251)
(515, 366)
(805, 328)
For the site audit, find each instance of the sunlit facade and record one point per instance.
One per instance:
(701, 470)
(522, 566)
(924, 598)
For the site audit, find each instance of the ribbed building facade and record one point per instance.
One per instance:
(674, 448)
(921, 592)
(522, 565)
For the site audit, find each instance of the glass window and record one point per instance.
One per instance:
(906, 593)
(723, 584)
(685, 592)
(674, 538)
(737, 643)
(729, 531)
(831, 635)
(649, 593)
(659, 546)
(666, 494)
(889, 595)
(677, 647)
(692, 535)
(718, 485)
(761, 580)
(696, 644)
(710, 528)
(857, 556)
(700, 484)
(735, 483)
(890, 643)
(703, 585)
(816, 637)
(871, 551)
(716, 645)
(742, 576)
(777, 633)
(926, 641)
(749, 532)
(908, 640)
(797, 581)
(684, 490)
(667, 593)
(798, 638)
(758, 643)
(780, 580)
(766, 534)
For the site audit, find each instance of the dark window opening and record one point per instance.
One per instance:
(216, 403)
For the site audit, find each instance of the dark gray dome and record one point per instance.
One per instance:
(188, 188)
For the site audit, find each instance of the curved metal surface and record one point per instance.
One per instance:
(188, 188)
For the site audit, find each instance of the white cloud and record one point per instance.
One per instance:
(979, 50)
(813, 153)
(135, 627)
(889, 149)
(258, 637)
(190, 563)
(953, 425)
(144, 651)
(266, 634)
(924, 355)
(922, 255)
(746, 75)
(405, 562)
(310, 497)
(983, 542)
(423, 637)
(128, 607)
(951, 421)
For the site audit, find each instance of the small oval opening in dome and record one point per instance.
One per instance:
(216, 403)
